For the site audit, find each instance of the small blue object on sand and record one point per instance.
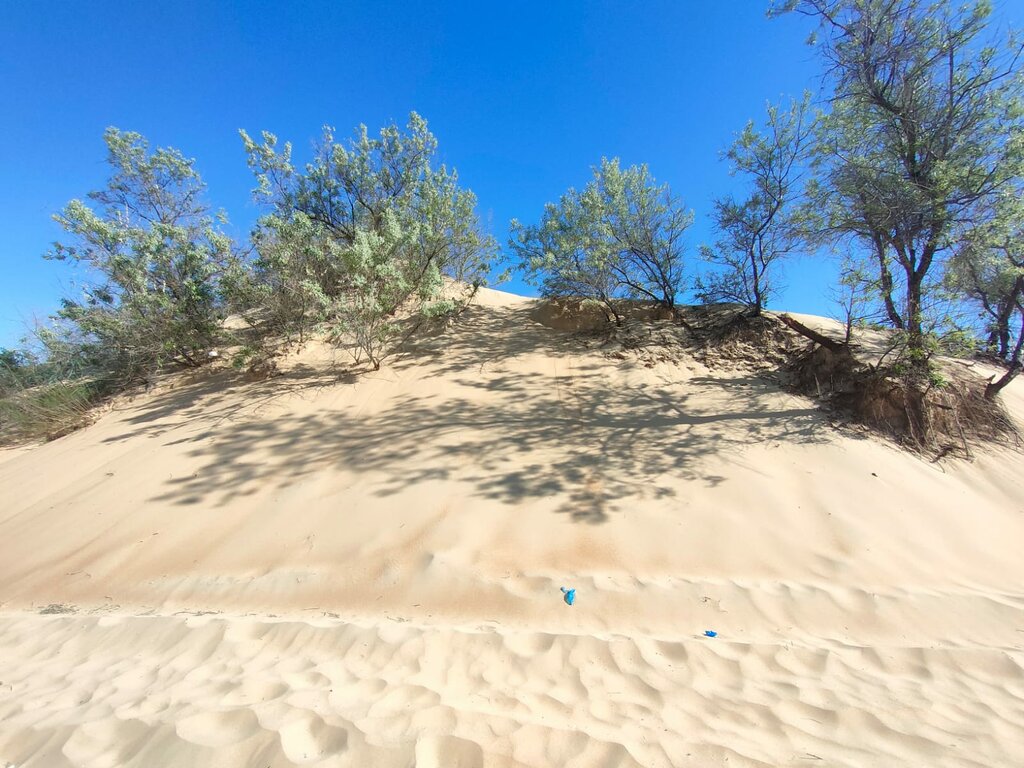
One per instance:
(570, 595)
(710, 633)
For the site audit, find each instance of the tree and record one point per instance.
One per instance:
(924, 132)
(562, 255)
(854, 295)
(11, 359)
(622, 236)
(154, 258)
(987, 269)
(381, 279)
(768, 224)
(377, 225)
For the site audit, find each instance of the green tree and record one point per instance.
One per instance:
(925, 130)
(382, 279)
(11, 359)
(987, 269)
(758, 230)
(854, 295)
(153, 258)
(280, 291)
(622, 236)
(380, 225)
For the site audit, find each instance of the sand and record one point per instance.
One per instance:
(333, 569)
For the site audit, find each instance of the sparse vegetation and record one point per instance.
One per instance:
(913, 172)
(769, 223)
(853, 295)
(621, 237)
(46, 411)
(36, 403)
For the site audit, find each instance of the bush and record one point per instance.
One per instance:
(362, 237)
(622, 236)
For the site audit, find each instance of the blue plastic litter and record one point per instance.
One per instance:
(570, 595)
(710, 633)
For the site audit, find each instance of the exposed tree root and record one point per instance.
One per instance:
(945, 419)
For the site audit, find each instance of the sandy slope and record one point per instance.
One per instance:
(332, 570)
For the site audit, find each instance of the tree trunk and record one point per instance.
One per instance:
(994, 387)
(812, 334)
(609, 311)
(758, 300)
(914, 325)
(992, 344)
(885, 286)
(1002, 329)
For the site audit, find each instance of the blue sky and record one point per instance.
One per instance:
(524, 98)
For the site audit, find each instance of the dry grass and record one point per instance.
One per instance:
(46, 412)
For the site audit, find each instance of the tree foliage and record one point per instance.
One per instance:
(924, 131)
(758, 230)
(621, 236)
(13, 370)
(281, 290)
(153, 259)
(988, 270)
(854, 294)
(363, 234)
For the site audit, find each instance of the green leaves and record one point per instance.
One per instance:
(621, 236)
(988, 270)
(152, 260)
(374, 224)
(925, 132)
(768, 223)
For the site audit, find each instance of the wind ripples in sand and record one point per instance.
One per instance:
(170, 691)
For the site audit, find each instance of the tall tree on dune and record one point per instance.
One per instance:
(924, 131)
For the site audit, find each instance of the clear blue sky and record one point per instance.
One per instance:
(524, 97)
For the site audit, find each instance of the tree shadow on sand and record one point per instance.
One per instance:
(506, 433)
(220, 396)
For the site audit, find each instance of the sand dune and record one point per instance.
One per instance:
(334, 569)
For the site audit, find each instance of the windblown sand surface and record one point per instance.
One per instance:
(335, 570)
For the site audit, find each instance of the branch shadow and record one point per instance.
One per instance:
(219, 396)
(577, 431)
